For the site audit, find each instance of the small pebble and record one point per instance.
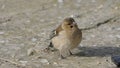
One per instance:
(13, 55)
(100, 6)
(60, 1)
(34, 39)
(55, 5)
(55, 63)
(44, 61)
(81, 45)
(3, 6)
(78, 1)
(93, 1)
(116, 8)
(93, 36)
(98, 62)
(117, 46)
(42, 20)
(30, 52)
(28, 21)
(118, 36)
(43, 33)
(75, 16)
(118, 29)
(23, 62)
(111, 36)
(2, 32)
(59, 17)
(2, 41)
(94, 45)
(72, 16)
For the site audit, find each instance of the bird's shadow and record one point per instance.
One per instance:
(98, 51)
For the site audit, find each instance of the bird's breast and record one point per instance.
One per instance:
(61, 40)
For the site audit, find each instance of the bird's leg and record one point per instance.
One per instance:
(61, 56)
(50, 45)
(49, 48)
(70, 52)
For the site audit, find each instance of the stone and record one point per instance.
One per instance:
(45, 61)
(30, 52)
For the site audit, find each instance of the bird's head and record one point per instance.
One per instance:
(69, 24)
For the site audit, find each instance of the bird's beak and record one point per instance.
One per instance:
(74, 23)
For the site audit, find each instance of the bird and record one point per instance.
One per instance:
(116, 60)
(66, 37)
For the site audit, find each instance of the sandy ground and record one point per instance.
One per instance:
(25, 26)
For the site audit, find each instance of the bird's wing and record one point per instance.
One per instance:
(58, 29)
(55, 32)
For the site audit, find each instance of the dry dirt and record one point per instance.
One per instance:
(25, 26)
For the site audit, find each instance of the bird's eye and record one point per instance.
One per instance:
(71, 26)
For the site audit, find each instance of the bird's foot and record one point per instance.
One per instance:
(62, 57)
